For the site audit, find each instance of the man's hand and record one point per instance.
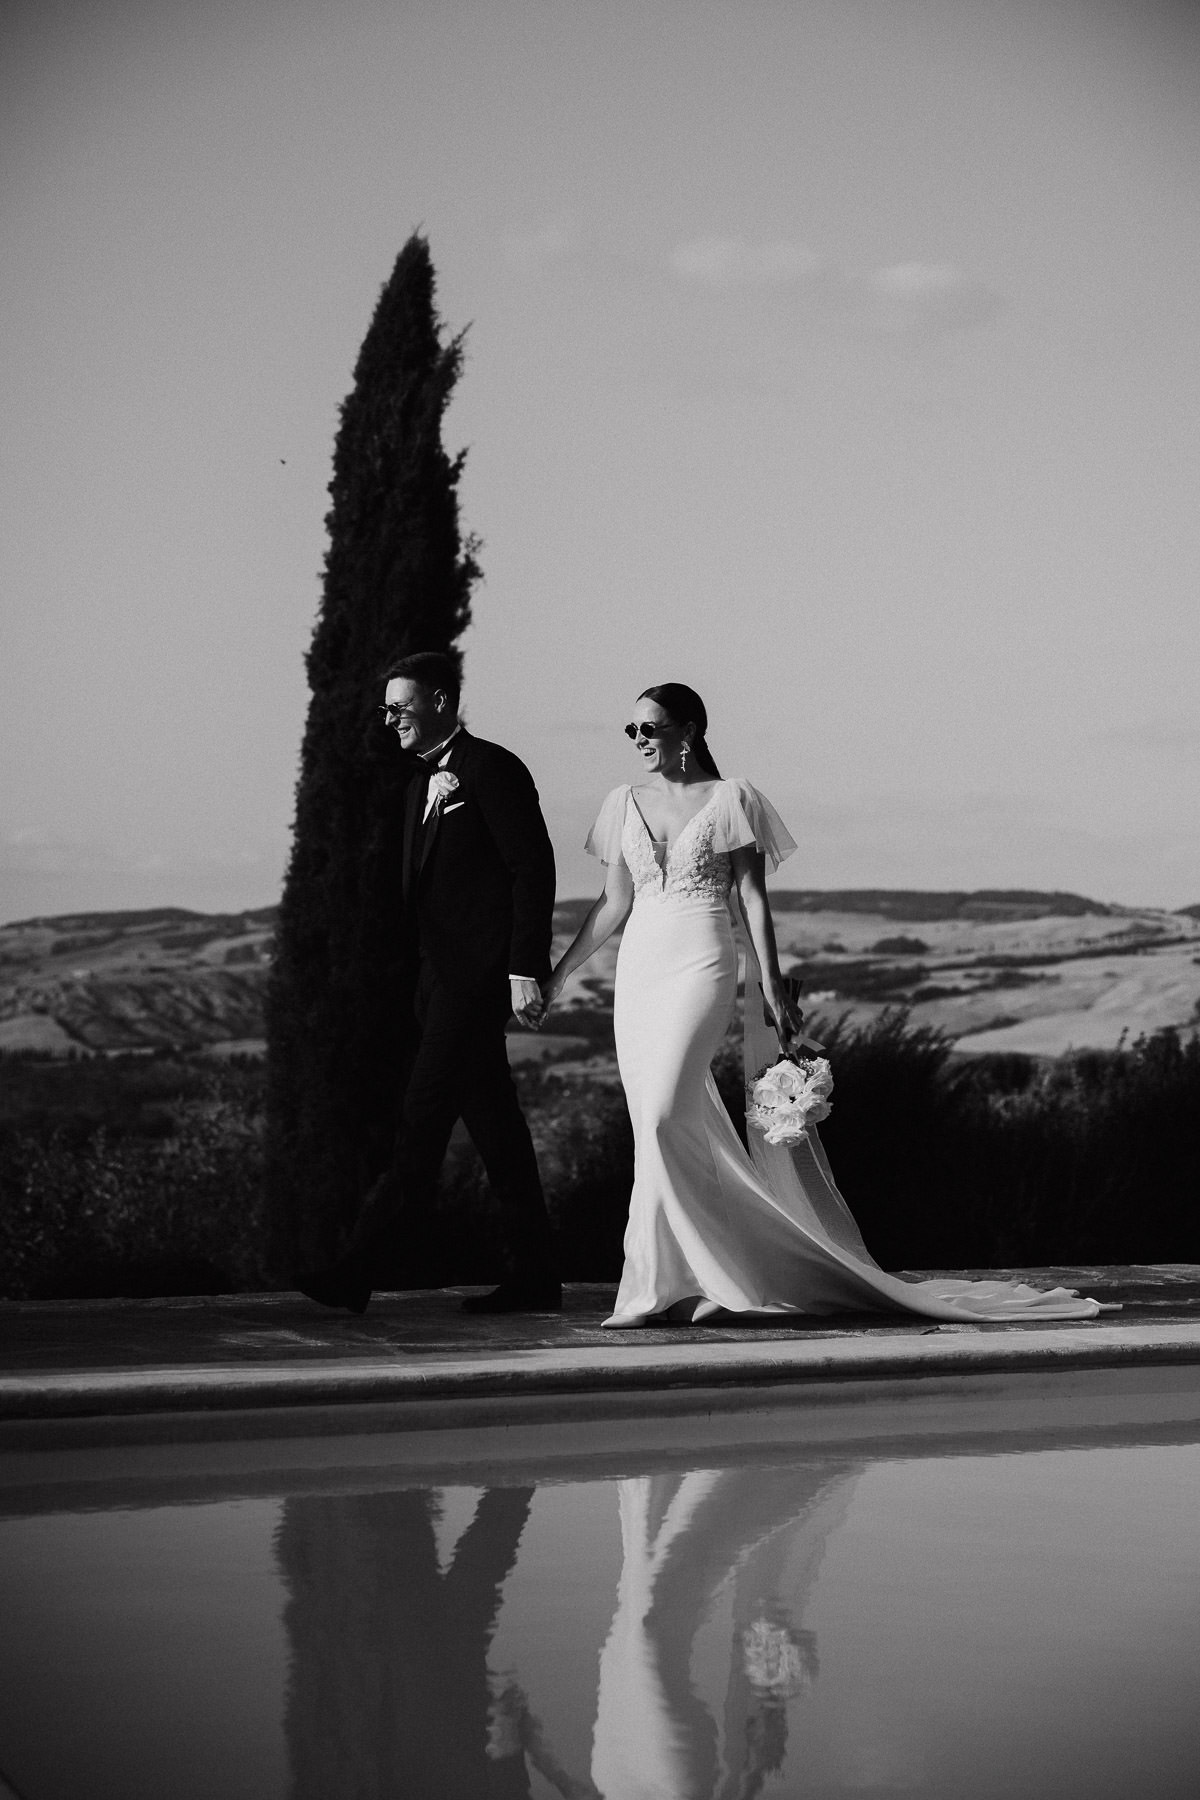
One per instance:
(527, 1003)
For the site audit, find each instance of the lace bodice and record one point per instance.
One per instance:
(699, 865)
(693, 869)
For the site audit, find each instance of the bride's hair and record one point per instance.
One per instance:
(684, 706)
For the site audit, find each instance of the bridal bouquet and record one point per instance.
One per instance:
(786, 1098)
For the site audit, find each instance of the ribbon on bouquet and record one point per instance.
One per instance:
(798, 1176)
(793, 985)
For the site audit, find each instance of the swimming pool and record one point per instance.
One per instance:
(983, 1586)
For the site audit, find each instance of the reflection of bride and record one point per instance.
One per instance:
(761, 1532)
(712, 1229)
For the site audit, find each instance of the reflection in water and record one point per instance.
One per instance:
(684, 1538)
(390, 1691)
(991, 1622)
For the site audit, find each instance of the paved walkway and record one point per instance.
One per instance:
(418, 1352)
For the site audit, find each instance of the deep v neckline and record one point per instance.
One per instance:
(669, 850)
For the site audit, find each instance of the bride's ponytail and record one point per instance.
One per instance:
(685, 707)
(704, 756)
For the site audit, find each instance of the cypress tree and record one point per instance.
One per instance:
(398, 577)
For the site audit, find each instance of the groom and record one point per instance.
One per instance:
(478, 903)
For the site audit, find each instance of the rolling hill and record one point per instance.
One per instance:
(997, 969)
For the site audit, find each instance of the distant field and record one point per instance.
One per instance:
(132, 1139)
(999, 970)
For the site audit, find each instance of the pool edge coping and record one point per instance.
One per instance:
(586, 1374)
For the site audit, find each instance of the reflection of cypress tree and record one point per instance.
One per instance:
(398, 577)
(388, 1690)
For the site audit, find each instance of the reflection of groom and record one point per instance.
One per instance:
(388, 1683)
(478, 890)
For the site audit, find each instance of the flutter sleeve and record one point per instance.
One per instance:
(747, 817)
(604, 839)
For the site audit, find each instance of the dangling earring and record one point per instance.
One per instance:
(683, 756)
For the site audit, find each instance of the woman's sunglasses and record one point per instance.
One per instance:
(647, 729)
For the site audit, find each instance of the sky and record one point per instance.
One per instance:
(837, 357)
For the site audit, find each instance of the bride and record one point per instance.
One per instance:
(713, 1230)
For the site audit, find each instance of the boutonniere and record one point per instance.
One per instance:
(441, 786)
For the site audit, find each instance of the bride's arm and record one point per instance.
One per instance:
(748, 874)
(605, 916)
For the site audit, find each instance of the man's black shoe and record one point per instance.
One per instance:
(329, 1288)
(517, 1296)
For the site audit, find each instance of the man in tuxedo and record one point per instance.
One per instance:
(478, 887)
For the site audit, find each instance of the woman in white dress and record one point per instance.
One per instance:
(713, 1230)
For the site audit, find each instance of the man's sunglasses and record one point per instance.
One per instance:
(647, 729)
(392, 714)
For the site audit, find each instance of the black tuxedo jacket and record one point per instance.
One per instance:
(479, 874)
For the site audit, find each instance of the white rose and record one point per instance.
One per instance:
(786, 1130)
(820, 1076)
(772, 1085)
(443, 784)
(763, 1091)
(788, 1080)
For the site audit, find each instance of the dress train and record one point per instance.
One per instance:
(713, 1230)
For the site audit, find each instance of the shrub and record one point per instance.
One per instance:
(584, 1146)
(858, 978)
(886, 1137)
(1097, 1158)
(947, 1162)
(976, 1165)
(175, 1209)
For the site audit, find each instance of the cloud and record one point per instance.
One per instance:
(906, 301)
(554, 241)
(923, 300)
(911, 839)
(732, 262)
(43, 875)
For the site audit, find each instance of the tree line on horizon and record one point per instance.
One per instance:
(911, 905)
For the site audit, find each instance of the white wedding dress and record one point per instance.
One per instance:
(708, 1224)
(746, 1543)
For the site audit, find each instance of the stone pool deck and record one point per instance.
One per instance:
(84, 1363)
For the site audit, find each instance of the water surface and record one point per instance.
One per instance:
(930, 1617)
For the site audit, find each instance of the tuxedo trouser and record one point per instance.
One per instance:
(459, 1070)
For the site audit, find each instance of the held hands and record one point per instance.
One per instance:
(527, 1004)
(551, 989)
